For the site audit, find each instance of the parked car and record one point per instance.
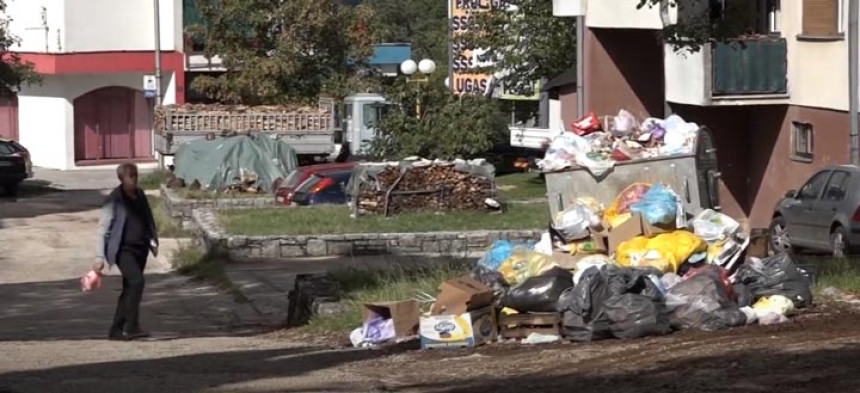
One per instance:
(284, 193)
(15, 165)
(823, 216)
(323, 189)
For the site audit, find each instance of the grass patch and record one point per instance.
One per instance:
(841, 274)
(336, 220)
(167, 226)
(153, 180)
(185, 193)
(521, 186)
(395, 283)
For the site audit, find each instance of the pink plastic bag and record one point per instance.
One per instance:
(91, 281)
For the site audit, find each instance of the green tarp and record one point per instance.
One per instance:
(220, 163)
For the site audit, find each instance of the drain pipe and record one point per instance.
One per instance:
(157, 12)
(580, 66)
(852, 80)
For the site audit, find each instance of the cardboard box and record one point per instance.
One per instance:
(404, 313)
(635, 226)
(460, 295)
(470, 329)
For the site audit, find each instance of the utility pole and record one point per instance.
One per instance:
(157, 101)
(852, 79)
(580, 66)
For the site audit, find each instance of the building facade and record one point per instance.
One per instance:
(776, 100)
(90, 108)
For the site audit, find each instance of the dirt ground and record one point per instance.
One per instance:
(818, 351)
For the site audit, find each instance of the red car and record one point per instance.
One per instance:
(284, 193)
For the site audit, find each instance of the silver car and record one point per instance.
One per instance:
(823, 216)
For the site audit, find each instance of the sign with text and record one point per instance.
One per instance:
(465, 59)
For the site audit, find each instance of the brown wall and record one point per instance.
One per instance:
(754, 152)
(568, 97)
(624, 70)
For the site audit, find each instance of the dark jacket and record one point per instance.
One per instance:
(112, 223)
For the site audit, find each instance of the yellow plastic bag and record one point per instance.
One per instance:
(524, 263)
(666, 251)
(776, 304)
(619, 210)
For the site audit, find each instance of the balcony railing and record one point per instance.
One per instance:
(749, 67)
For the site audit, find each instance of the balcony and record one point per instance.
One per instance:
(751, 71)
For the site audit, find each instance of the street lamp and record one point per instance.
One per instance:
(425, 67)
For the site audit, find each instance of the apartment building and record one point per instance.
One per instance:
(776, 100)
(90, 108)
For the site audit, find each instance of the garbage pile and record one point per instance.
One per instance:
(633, 269)
(418, 184)
(599, 145)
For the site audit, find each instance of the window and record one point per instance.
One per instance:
(812, 189)
(802, 145)
(773, 15)
(822, 19)
(838, 186)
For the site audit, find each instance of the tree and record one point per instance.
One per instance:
(701, 22)
(422, 23)
(14, 73)
(525, 42)
(281, 52)
(447, 127)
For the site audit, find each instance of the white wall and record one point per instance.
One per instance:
(623, 14)
(555, 122)
(686, 76)
(817, 71)
(107, 25)
(27, 24)
(95, 25)
(44, 118)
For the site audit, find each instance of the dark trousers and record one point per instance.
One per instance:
(131, 262)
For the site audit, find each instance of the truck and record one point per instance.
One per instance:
(333, 130)
(695, 176)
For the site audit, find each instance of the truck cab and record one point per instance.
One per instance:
(359, 117)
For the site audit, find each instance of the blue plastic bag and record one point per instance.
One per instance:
(658, 206)
(498, 253)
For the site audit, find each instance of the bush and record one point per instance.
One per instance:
(448, 126)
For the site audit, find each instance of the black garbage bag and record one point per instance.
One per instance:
(743, 294)
(635, 316)
(612, 301)
(776, 275)
(539, 293)
(492, 279)
(701, 302)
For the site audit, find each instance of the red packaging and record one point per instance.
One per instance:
(715, 271)
(587, 125)
(91, 281)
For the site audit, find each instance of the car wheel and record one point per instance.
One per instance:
(780, 241)
(839, 243)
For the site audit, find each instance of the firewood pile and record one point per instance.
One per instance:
(240, 118)
(428, 188)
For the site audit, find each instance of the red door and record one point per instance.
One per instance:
(9, 117)
(112, 123)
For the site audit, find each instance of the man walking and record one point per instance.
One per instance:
(126, 236)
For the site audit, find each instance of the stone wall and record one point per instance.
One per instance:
(180, 209)
(210, 234)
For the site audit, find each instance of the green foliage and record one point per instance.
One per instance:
(423, 23)
(447, 126)
(280, 52)
(14, 73)
(700, 24)
(526, 43)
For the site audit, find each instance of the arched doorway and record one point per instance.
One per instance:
(112, 123)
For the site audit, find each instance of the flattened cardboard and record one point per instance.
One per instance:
(635, 226)
(405, 314)
(470, 329)
(460, 295)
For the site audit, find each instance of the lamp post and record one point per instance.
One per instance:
(425, 67)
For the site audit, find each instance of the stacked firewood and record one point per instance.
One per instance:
(240, 118)
(428, 188)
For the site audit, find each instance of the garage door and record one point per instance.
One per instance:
(112, 124)
(9, 117)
